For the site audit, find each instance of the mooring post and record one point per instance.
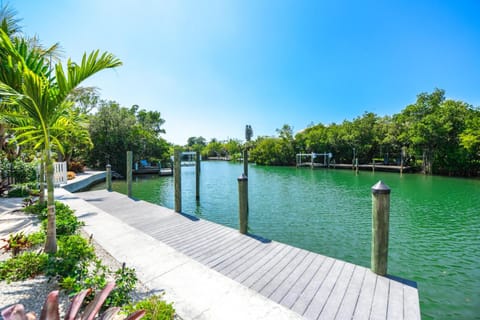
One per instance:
(243, 203)
(373, 165)
(178, 180)
(197, 176)
(129, 173)
(380, 222)
(245, 161)
(356, 165)
(109, 177)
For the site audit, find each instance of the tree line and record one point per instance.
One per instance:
(435, 134)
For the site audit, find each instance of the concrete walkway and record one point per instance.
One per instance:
(197, 291)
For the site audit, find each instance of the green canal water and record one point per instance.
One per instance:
(434, 221)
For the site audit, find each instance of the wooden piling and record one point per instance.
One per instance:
(245, 161)
(380, 225)
(356, 165)
(373, 165)
(197, 176)
(109, 177)
(243, 203)
(129, 173)
(178, 180)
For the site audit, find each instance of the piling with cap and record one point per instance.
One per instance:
(380, 226)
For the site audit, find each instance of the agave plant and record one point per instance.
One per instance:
(50, 310)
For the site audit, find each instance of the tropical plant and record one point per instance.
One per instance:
(40, 94)
(15, 243)
(50, 310)
(155, 308)
(23, 266)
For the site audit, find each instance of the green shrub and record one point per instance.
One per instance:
(23, 266)
(155, 308)
(21, 171)
(126, 280)
(72, 257)
(18, 191)
(37, 238)
(94, 276)
(36, 208)
(66, 221)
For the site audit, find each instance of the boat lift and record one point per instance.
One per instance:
(327, 156)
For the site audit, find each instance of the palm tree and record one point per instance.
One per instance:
(42, 94)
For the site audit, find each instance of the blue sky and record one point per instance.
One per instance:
(211, 67)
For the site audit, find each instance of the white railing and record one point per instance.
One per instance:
(60, 173)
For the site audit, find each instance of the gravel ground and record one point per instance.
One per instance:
(32, 292)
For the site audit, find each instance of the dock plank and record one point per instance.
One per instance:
(335, 299)
(349, 302)
(364, 304)
(311, 289)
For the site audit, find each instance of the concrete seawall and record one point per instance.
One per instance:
(84, 180)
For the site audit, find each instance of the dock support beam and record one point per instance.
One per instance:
(178, 180)
(129, 173)
(197, 176)
(109, 177)
(243, 203)
(380, 225)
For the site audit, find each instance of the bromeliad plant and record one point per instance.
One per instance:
(50, 310)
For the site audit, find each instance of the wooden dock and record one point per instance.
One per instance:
(310, 284)
(364, 167)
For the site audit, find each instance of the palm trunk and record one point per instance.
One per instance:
(51, 243)
(41, 198)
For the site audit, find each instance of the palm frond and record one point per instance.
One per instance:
(75, 74)
(9, 23)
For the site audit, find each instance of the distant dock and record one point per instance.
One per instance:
(363, 167)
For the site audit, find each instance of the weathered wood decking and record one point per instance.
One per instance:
(313, 285)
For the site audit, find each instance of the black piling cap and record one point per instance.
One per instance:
(380, 188)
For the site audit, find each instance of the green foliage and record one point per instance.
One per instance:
(23, 266)
(437, 134)
(117, 129)
(125, 280)
(67, 223)
(21, 171)
(18, 191)
(72, 257)
(36, 238)
(36, 208)
(155, 308)
(93, 276)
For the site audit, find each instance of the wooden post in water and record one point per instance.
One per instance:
(109, 177)
(243, 203)
(373, 165)
(197, 176)
(380, 222)
(178, 180)
(356, 165)
(245, 161)
(129, 173)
